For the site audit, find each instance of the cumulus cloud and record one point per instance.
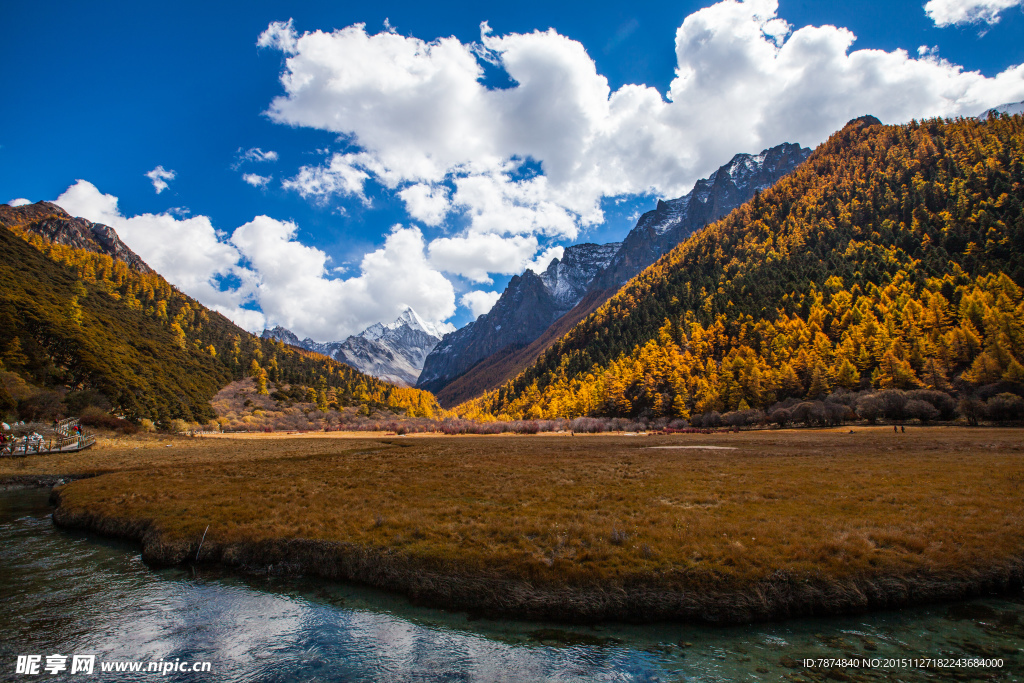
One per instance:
(479, 301)
(537, 158)
(948, 12)
(342, 176)
(544, 259)
(475, 255)
(159, 176)
(19, 202)
(294, 289)
(256, 180)
(289, 281)
(428, 204)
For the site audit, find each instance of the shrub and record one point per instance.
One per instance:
(942, 401)
(837, 413)
(869, 407)
(842, 396)
(43, 406)
(618, 536)
(972, 409)
(77, 401)
(7, 403)
(781, 417)
(1005, 407)
(810, 413)
(101, 419)
(922, 410)
(894, 403)
(587, 425)
(176, 426)
(742, 418)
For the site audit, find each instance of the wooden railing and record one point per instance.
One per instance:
(63, 440)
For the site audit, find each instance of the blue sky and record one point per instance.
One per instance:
(487, 149)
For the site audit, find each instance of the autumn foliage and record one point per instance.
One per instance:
(889, 260)
(74, 321)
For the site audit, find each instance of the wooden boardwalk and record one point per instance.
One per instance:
(67, 437)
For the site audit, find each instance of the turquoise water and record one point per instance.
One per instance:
(73, 593)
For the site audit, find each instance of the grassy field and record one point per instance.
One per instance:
(766, 524)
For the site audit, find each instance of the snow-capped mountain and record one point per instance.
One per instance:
(529, 304)
(1011, 109)
(567, 278)
(394, 352)
(712, 198)
(587, 274)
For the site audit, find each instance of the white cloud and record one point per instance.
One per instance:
(479, 301)
(159, 176)
(255, 154)
(279, 35)
(947, 12)
(543, 260)
(426, 203)
(19, 202)
(256, 180)
(537, 158)
(341, 176)
(294, 289)
(475, 255)
(289, 281)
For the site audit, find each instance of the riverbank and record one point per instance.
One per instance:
(587, 528)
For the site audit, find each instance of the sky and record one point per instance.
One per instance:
(323, 165)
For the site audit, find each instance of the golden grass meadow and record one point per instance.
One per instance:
(766, 524)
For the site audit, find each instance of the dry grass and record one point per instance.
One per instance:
(582, 511)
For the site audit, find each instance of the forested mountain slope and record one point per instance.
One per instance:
(495, 348)
(891, 258)
(81, 321)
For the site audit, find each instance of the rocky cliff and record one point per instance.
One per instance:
(55, 225)
(712, 198)
(527, 307)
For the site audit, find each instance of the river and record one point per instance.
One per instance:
(73, 593)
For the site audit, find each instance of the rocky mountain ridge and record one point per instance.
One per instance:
(712, 198)
(527, 307)
(590, 273)
(56, 225)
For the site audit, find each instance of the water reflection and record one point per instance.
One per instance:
(72, 593)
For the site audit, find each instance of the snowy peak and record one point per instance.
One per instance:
(282, 334)
(409, 318)
(394, 352)
(567, 278)
(711, 198)
(373, 332)
(1011, 109)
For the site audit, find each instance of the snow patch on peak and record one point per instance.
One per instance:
(1011, 109)
(394, 352)
(411, 319)
(373, 332)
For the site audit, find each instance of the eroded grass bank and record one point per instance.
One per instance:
(588, 528)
